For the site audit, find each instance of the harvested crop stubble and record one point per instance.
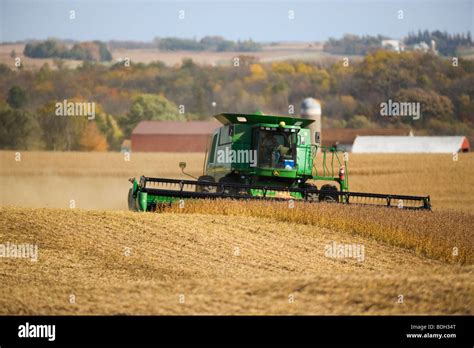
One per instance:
(445, 236)
(125, 263)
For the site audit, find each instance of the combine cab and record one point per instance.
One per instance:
(262, 157)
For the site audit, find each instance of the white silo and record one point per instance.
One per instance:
(311, 109)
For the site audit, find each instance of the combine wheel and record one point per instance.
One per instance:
(310, 196)
(202, 188)
(328, 194)
(228, 180)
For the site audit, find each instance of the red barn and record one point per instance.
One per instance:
(172, 136)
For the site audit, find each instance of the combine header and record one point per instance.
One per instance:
(262, 157)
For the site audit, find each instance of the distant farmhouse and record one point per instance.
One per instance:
(393, 45)
(410, 144)
(424, 47)
(399, 46)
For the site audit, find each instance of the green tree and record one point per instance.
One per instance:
(104, 53)
(108, 126)
(19, 129)
(61, 133)
(150, 107)
(44, 49)
(79, 52)
(17, 97)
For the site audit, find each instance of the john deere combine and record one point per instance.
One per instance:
(262, 157)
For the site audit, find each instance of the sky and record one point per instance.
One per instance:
(260, 20)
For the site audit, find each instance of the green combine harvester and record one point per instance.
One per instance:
(264, 157)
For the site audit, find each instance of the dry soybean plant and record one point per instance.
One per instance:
(444, 236)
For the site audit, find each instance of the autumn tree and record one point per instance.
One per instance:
(130, 94)
(432, 105)
(92, 139)
(359, 121)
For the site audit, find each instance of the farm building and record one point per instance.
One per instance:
(192, 136)
(410, 144)
(172, 136)
(344, 137)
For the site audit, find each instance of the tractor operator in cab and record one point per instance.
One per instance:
(274, 149)
(268, 147)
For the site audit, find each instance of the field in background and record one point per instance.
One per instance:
(232, 257)
(92, 180)
(282, 51)
(309, 52)
(29, 63)
(306, 51)
(99, 180)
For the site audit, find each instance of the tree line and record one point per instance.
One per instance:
(56, 48)
(353, 44)
(351, 94)
(207, 43)
(87, 51)
(446, 44)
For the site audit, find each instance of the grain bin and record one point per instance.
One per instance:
(311, 109)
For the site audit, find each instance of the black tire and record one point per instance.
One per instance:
(308, 195)
(329, 194)
(203, 188)
(228, 180)
(132, 206)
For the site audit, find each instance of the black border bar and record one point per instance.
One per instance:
(288, 330)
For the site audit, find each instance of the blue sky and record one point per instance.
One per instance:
(261, 20)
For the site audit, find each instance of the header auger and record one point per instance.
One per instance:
(262, 157)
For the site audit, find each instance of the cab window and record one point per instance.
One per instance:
(276, 149)
(225, 136)
(213, 149)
